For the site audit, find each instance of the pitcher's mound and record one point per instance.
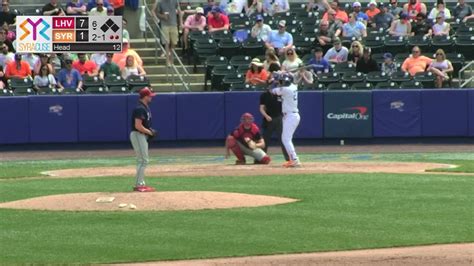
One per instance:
(151, 201)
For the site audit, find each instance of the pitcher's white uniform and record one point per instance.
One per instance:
(291, 117)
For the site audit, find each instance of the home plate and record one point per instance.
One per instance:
(104, 199)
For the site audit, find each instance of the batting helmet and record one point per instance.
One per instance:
(285, 79)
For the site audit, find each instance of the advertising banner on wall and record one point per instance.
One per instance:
(348, 114)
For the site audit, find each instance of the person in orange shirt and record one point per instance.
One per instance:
(85, 66)
(256, 75)
(416, 62)
(340, 14)
(121, 58)
(372, 10)
(18, 68)
(119, 6)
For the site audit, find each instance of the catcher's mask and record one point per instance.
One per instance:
(247, 119)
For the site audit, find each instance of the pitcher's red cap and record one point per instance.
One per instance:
(146, 92)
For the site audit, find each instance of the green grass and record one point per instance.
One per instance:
(31, 168)
(336, 212)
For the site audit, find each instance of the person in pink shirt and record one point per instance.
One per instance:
(193, 23)
(416, 62)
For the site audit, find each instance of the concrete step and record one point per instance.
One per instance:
(167, 87)
(163, 78)
(161, 69)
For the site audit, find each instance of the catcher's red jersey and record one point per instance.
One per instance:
(253, 133)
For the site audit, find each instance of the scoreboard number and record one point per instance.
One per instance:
(59, 34)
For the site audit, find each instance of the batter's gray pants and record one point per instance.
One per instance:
(140, 146)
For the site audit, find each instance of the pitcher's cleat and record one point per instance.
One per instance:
(292, 164)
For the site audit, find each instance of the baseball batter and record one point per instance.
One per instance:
(291, 117)
(247, 140)
(140, 135)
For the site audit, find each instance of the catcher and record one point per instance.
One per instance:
(247, 140)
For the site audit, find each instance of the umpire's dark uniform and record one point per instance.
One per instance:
(272, 105)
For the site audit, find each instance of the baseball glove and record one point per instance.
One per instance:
(150, 137)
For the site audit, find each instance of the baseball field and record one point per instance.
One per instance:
(343, 199)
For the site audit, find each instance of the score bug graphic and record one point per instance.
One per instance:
(59, 34)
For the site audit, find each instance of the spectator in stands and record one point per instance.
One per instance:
(318, 63)
(118, 7)
(120, 58)
(372, 11)
(69, 78)
(55, 62)
(335, 24)
(43, 62)
(236, 6)
(109, 68)
(76, 8)
(132, 68)
(441, 27)
(354, 28)
(6, 56)
(413, 7)
(6, 15)
(44, 79)
(382, 20)
(280, 39)
(325, 36)
(31, 59)
(303, 77)
(3, 79)
(416, 62)
(10, 35)
(98, 58)
(92, 3)
(421, 26)
(125, 33)
(99, 9)
(260, 30)
(367, 64)
(388, 66)
(360, 16)
(462, 10)
(217, 21)
(439, 9)
(256, 75)
(465, 19)
(441, 67)
(53, 8)
(355, 52)
(195, 22)
(166, 11)
(338, 53)
(18, 68)
(275, 6)
(84, 66)
(401, 27)
(394, 9)
(292, 61)
(339, 13)
(208, 7)
(320, 6)
(254, 7)
(270, 58)
(4, 40)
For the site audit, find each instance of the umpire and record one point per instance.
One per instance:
(270, 108)
(141, 133)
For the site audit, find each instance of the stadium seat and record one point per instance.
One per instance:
(411, 85)
(395, 45)
(89, 82)
(228, 48)
(457, 60)
(136, 83)
(303, 44)
(240, 24)
(344, 67)
(234, 78)
(21, 86)
(464, 45)
(464, 30)
(211, 62)
(218, 74)
(338, 86)
(47, 90)
(375, 77)
(442, 42)
(425, 78)
(328, 78)
(319, 86)
(253, 47)
(375, 42)
(241, 87)
(118, 89)
(195, 36)
(5, 92)
(362, 86)
(97, 90)
(387, 85)
(400, 76)
(218, 36)
(353, 77)
(240, 60)
(400, 57)
(111, 81)
(202, 49)
(420, 41)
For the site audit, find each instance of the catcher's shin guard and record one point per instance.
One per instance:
(232, 145)
(266, 160)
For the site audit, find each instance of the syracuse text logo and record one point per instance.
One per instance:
(56, 109)
(397, 105)
(350, 113)
(35, 34)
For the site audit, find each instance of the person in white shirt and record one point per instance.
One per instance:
(236, 6)
(275, 6)
(338, 53)
(99, 10)
(292, 61)
(260, 30)
(439, 9)
(441, 28)
(99, 58)
(291, 117)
